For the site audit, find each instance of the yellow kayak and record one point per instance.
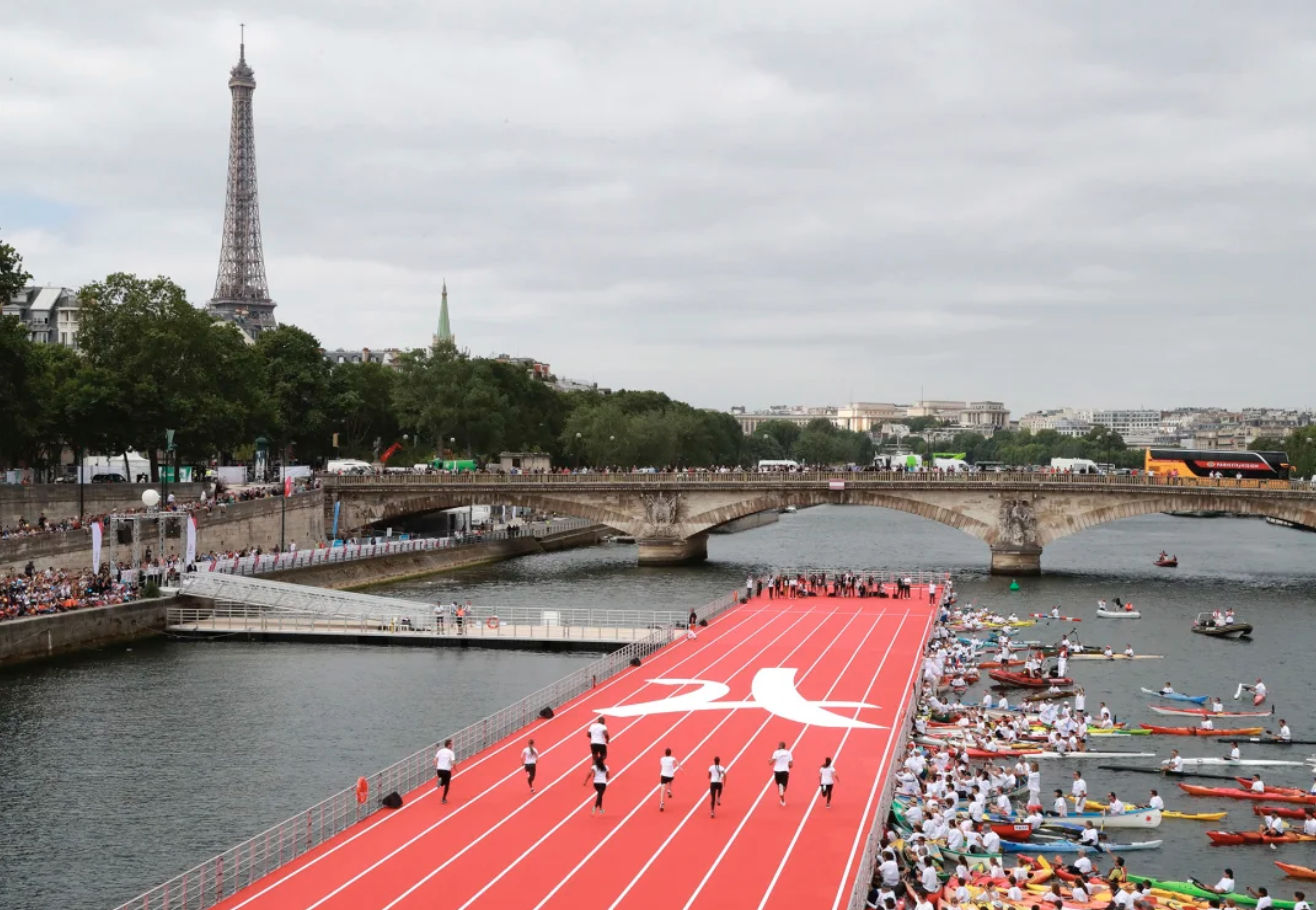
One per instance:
(1094, 806)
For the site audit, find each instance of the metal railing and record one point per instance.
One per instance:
(873, 842)
(348, 552)
(238, 867)
(482, 622)
(851, 479)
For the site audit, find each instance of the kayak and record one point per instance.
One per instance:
(1296, 871)
(1190, 889)
(1165, 813)
(1133, 818)
(1243, 762)
(1203, 712)
(1119, 614)
(1281, 811)
(1234, 793)
(1198, 731)
(1239, 838)
(1070, 847)
(1175, 696)
(1012, 831)
(1086, 656)
(1049, 616)
(1288, 791)
(1006, 678)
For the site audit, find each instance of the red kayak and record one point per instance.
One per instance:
(1014, 832)
(1231, 793)
(1167, 563)
(1281, 811)
(1296, 871)
(1198, 731)
(1238, 838)
(1289, 791)
(1006, 678)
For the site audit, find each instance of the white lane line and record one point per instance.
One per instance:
(453, 858)
(766, 787)
(748, 742)
(861, 835)
(647, 800)
(881, 767)
(494, 752)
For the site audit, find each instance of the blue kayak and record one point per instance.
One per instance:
(1071, 847)
(1175, 696)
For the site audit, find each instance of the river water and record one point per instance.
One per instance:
(122, 768)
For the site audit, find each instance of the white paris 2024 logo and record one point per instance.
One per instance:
(773, 690)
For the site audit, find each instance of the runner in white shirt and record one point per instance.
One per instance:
(444, 760)
(717, 776)
(530, 759)
(667, 768)
(598, 739)
(598, 772)
(782, 761)
(827, 778)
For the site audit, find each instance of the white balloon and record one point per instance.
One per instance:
(150, 498)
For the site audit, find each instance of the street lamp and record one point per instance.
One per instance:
(577, 451)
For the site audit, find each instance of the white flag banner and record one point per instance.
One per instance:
(96, 533)
(190, 557)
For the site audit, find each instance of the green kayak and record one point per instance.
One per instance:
(1191, 890)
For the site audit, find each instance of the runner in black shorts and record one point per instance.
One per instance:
(530, 759)
(667, 768)
(717, 776)
(598, 739)
(781, 762)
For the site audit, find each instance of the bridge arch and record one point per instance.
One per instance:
(1057, 526)
(775, 500)
(359, 513)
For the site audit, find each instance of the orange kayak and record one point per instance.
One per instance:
(1297, 871)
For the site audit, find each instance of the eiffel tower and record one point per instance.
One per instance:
(241, 293)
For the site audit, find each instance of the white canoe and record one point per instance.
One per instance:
(1089, 754)
(1119, 614)
(1242, 762)
(1088, 656)
(1138, 818)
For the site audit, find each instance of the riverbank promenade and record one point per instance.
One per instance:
(831, 677)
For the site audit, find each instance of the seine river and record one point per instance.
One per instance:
(124, 767)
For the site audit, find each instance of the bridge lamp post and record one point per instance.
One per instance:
(577, 451)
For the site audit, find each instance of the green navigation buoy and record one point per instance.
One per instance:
(1014, 585)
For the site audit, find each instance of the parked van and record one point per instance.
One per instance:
(348, 466)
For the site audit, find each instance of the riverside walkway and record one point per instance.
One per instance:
(832, 677)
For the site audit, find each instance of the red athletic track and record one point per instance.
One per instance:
(496, 846)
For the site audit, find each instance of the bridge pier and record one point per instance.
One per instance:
(670, 551)
(1011, 560)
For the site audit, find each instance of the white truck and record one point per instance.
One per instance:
(952, 465)
(1075, 465)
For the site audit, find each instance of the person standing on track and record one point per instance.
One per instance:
(599, 772)
(782, 761)
(530, 759)
(717, 776)
(827, 778)
(444, 761)
(667, 768)
(598, 739)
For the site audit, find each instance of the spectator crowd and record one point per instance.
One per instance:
(33, 593)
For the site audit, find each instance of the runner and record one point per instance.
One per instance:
(782, 761)
(599, 772)
(667, 768)
(598, 739)
(827, 777)
(717, 776)
(444, 760)
(530, 759)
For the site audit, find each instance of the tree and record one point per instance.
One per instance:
(361, 407)
(164, 364)
(12, 277)
(296, 381)
(783, 431)
(17, 428)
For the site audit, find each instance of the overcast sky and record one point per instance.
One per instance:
(741, 202)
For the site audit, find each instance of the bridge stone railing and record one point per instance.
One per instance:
(839, 480)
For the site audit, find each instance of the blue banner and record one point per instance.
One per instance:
(338, 507)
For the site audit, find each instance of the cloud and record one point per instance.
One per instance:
(737, 204)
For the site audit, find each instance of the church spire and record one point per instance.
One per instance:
(445, 330)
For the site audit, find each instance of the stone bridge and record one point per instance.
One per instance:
(669, 515)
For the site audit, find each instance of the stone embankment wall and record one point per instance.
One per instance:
(36, 637)
(232, 527)
(60, 500)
